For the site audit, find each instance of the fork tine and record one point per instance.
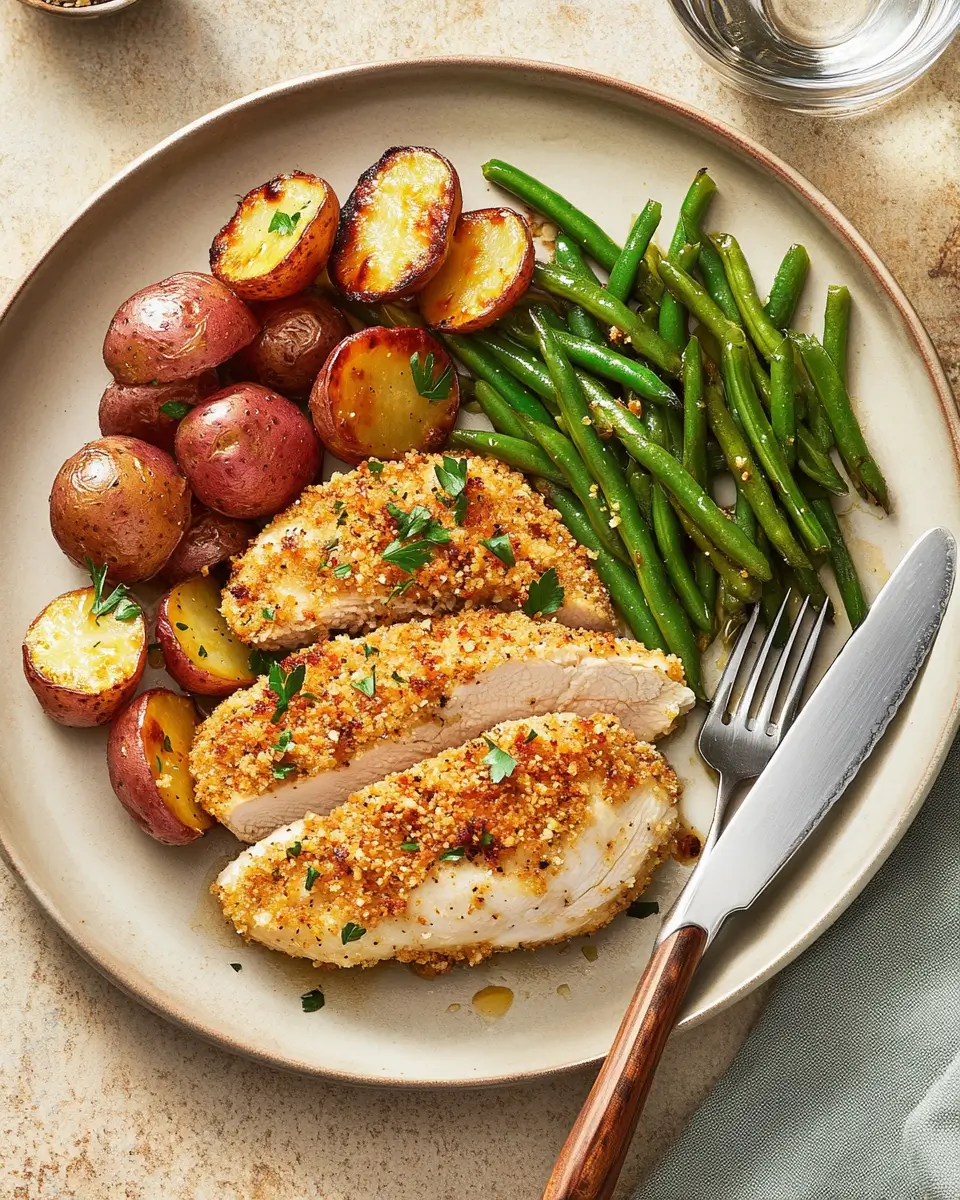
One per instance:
(721, 697)
(792, 701)
(753, 679)
(765, 712)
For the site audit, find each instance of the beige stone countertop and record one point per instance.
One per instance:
(100, 1098)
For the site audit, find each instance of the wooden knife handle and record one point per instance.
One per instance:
(592, 1156)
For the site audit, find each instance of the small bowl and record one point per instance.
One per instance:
(86, 13)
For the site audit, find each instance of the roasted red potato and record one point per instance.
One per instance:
(151, 412)
(147, 761)
(488, 269)
(176, 329)
(383, 392)
(296, 336)
(122, 502)
(247, 451)
(199, 650)
(279, 239)
(210, 540)
(396, 226)
(83, 668)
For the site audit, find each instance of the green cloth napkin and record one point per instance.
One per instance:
(849, 1087)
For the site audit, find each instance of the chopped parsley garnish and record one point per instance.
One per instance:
(369, 651)
(500, 546)
(342, 519)
(312, 1001)
(486, 838)
(312, 876)
(338, 506)
(375, 466)
(237, 966)
(397, 677)
(545, 595)
(175, 409)
(531, 737)
(285, 686)
(282, 222)
(429, 388)
(283, 742)
(454, 854)
(452, 477)
(159, 766)
(410, 846)
(418, 522)
(351, 932)
(367, 685)
(343, 571)
(202, 652)
(501, 764)
(295, 849)
(181, 625)
(408, 558)
(643, 908)
(282, 770)
(118, 602)
(260, 660)
(268, 614)
(167, 744)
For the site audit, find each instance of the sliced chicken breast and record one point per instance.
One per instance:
(372, 706)
(393, 543)
(449, 862)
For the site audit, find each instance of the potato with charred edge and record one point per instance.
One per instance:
(296, 336)
(199, 650)
(176, 329)
(83, 668)
(396, 226)
(247, 451)
(211, 539)
(279, 239)
(122, 502)
(147, 762)
(151, 411)
(488, 269)
(383, 392)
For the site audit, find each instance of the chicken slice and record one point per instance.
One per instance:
(434, 683)
(442, 863)
(319, 566)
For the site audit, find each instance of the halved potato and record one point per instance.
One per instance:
(211, 539)
(396, 226)
(488, 269)
(82, 668)
(147, 761)
(384, 391)
(279, 239)
(199, 650)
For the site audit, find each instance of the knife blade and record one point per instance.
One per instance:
(829, 741)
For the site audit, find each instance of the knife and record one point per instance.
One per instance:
(820, 755)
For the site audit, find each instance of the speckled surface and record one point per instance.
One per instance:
(99, 1098)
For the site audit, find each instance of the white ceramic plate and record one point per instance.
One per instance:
(141, 912)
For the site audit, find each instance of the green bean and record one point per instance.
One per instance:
(716, 463)
(764, 334)
(672, 324)
(518, 453)
(771, 597)
(739, 582)
(755, 487)
(642, 487)
(747, 407)
(697, 300)
(836, 327)
(808, 583)
(848, 581)
(743, 514)
(520, 362)
(652, 258)
(625, 591)
(694, 414)
(569, 256)
(485, 366)
(498, 412)
(861, 466)
(787, 285)
(695, 501)
(706, 576)
(623, 273)
(783, 402)
(673, 319)
(817, 464)
(611, 311)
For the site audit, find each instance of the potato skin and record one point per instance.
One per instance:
(296, 336)
(131, 778)
(71, 706)
(210, 540)
(247, 451)
(349, 266)
(176, 329)
(134, 409)
(201, 609)
(122, 502)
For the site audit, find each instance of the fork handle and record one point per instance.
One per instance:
(592, 1156)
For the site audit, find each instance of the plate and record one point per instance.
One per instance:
(141, 912)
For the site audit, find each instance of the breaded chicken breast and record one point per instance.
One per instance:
(539, 831)
(397, 540)
(371, 706)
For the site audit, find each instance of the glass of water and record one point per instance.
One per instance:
(831, 56)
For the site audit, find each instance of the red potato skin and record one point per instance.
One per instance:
(210, 540)
(182, 669)
(134, 409)
(176, 329)
(247, 451)
(132, 782)
(122, 502)
(296, 336)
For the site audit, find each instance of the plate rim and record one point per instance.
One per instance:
(741, 144)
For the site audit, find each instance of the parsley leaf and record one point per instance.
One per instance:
(182, 625)
(545, 595)
(531, 737)
(283, 222)
(312, 1001)
(175, 409)
(202, 652)
(429, 388)
(375, 466)
(418, 522)
(643, 908)
(285, 686)
(368, 651)
(351, 932)
(408, 558)
(397, 677)
(269, 614)
(486, 838)
(500, 546)
(454, 854)
(367, 685)
(501, 764)
(282, 770)
(283, 742)
(118, 602)
(295, 849)
(343, 571)
(237, 966)
(409, 845)
(260, 660)
(452, 477)
(167, 744)
(312, 876)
